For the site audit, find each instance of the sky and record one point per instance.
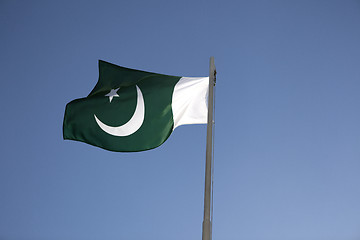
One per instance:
(287, 132)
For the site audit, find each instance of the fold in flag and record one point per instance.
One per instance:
(130, 110)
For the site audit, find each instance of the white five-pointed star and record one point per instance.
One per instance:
(112, 94)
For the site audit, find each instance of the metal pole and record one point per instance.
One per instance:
(207, 225)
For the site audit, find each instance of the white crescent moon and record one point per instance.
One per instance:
(132, 125)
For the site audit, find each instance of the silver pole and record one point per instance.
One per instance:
(207, 225)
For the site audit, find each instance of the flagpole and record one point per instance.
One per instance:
(207, 224)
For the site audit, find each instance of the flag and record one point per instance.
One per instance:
(130, 110)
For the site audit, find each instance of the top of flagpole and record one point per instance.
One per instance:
(212, 70)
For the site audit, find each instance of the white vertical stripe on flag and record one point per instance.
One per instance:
(190, 101)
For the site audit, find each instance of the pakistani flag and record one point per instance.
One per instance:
(131, 110)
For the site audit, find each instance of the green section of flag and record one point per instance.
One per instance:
(157, 89)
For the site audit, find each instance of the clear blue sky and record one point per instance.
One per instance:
(287, 150)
